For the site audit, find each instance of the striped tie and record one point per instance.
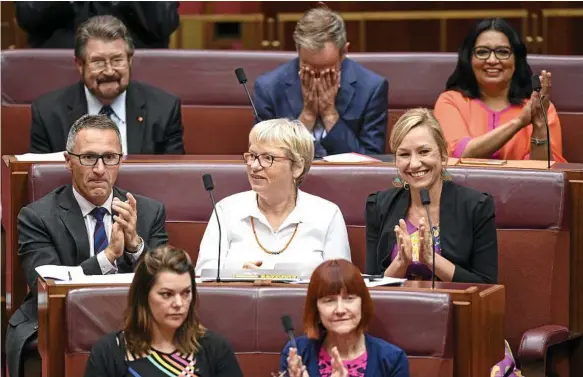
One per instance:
(99, 236)
(106, 110)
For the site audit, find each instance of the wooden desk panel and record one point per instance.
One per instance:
(478, 323)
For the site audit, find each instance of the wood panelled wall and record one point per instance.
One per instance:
(378, 26)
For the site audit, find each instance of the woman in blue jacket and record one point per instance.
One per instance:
(337, 312)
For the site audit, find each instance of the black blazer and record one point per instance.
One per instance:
(153, 119)
(51, 24)
(214, 359)
(467, 231)
(52, 231)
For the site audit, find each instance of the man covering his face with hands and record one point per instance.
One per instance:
(343, 104)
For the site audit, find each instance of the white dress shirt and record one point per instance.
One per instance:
(321, 234)
(90, 222)
(319, 130)
(119, 114)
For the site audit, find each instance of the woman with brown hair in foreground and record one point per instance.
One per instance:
(162, 335)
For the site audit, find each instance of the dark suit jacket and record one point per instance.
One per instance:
(467, 231)
(153, 119)
(361, 102)
(52, 231)
(383, 358)
(52, 24)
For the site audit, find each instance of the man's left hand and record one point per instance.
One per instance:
(127, 217)
(327, 85)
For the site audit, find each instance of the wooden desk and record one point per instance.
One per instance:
(478, 323)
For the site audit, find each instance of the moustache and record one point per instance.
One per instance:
(105, 79)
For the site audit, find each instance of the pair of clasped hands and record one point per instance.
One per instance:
(319, 90)
(123, 230)
(532, 112)
(295, 367)
(405, 247)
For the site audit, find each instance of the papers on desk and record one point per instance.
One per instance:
(369, 283)
(384, 281)
(34, 157)
(63, 273)
(101, 279)
(350, 158)
(68, 274)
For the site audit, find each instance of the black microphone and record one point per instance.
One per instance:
(288, 327)
(536, 86)
(242, 78)
(207, 181)
(426, 201)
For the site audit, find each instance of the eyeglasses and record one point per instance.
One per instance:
(265, 160)
(90, 159)
(115, 63)
(484, 53)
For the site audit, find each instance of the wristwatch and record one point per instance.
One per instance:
(539, 142)
(140, 244)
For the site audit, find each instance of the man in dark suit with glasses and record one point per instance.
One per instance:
(89, 223)
(149, 119)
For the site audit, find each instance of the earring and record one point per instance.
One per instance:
(397, 182)
(445, 175)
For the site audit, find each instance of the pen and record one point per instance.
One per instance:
(70, 278)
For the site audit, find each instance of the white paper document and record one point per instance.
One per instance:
(350, 158)
(34, 157)
(368, 282)
(101, 279)
(384, 281)
(64, 273)
(75, 275)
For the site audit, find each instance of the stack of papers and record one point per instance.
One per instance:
(350, 158)
(33, 157)
(369, 283)
(384, 281)
(63, 273)
(75, 275)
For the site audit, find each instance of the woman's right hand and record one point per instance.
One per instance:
(295, 368)
(404, 247)
(252, 265)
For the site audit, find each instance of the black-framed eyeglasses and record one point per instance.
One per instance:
(265, 160)
(90, 159)
(484, 53)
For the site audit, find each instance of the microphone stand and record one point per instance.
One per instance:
(542, 107)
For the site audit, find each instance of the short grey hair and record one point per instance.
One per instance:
(105, 28)
(97, 122)
(319, 26)
(290, 135)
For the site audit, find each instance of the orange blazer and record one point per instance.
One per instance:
(463, 118)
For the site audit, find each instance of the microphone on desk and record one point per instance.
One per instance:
(207, 180)
(242, 78)
(426, 201)
(288, 327)
(536, 86)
